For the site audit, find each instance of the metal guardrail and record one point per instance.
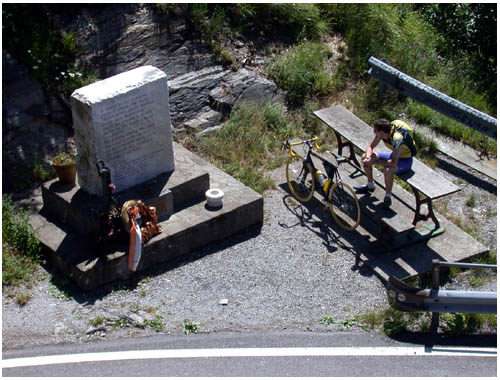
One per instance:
(387, 75)
(405, 297)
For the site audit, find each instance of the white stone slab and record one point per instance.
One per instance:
(124, 121)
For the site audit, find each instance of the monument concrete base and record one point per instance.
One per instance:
(69, 219)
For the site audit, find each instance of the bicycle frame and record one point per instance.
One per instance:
(331, 169)
(338, 196)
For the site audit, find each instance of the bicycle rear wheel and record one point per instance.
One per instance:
(300, 178)
(344, 206)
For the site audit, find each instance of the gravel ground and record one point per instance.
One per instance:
(286, 276)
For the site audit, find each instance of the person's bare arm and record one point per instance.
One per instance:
(369, 149)
(393, 161)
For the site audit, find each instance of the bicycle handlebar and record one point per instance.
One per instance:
(314, 140)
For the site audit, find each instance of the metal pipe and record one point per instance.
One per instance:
(466, 265)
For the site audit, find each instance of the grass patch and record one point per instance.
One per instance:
(121, 323)
(391, 321)
(22, 299)
(97, 321)
(461, 324)
(61, 288)
(471, 201)
(448, 127)
(370, 320)
(248, 143)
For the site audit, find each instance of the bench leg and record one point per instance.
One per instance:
(341, 145)
(418, 215)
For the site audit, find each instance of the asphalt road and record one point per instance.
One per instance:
(258, 354)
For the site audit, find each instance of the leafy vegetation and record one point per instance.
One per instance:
(29, 34)
(190, 326)
(156, 323)
(20, 248)
(305, 72)
(470, 32)
(63, 159)
(35, 173)
(248, 143)
(302, 71)
(326, 320)
(97, 321)
(391, 321)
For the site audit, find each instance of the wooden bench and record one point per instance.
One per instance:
(353, 132)
(391, 224)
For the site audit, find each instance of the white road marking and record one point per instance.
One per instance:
(248, 352)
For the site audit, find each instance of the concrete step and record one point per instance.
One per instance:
(189, 227)
(168, 192)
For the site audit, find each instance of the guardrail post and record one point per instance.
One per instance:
(436, 270)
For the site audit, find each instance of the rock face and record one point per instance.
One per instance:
(116, 38)
(29, 132)
(124, 121)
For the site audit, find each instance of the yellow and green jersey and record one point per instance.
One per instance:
(401, 136)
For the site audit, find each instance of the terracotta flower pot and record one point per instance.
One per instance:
(66, 173)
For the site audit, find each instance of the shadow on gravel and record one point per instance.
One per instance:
(327, 229)
(372, 257)
(62, 286)
(430, 339)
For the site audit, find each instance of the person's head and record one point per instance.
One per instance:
(382, 128)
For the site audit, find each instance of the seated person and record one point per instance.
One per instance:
(398, 136)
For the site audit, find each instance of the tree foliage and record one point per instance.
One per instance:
(470, 32)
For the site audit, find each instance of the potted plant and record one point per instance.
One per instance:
(64, 165)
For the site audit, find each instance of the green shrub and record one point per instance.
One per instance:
(299, 20)
(326, 320)
(470, 34)
(189, 326)
(16, 231)
(35, 173)
(20, 248)
(301, 72)
(30, 36)
(460, 324)
(394, 322)
(368, 29)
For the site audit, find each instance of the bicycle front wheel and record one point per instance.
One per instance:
(344, 206)
(300, 178)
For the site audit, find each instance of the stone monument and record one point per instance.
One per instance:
(124, 121)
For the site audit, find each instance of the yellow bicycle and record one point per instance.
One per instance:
(303, 179)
